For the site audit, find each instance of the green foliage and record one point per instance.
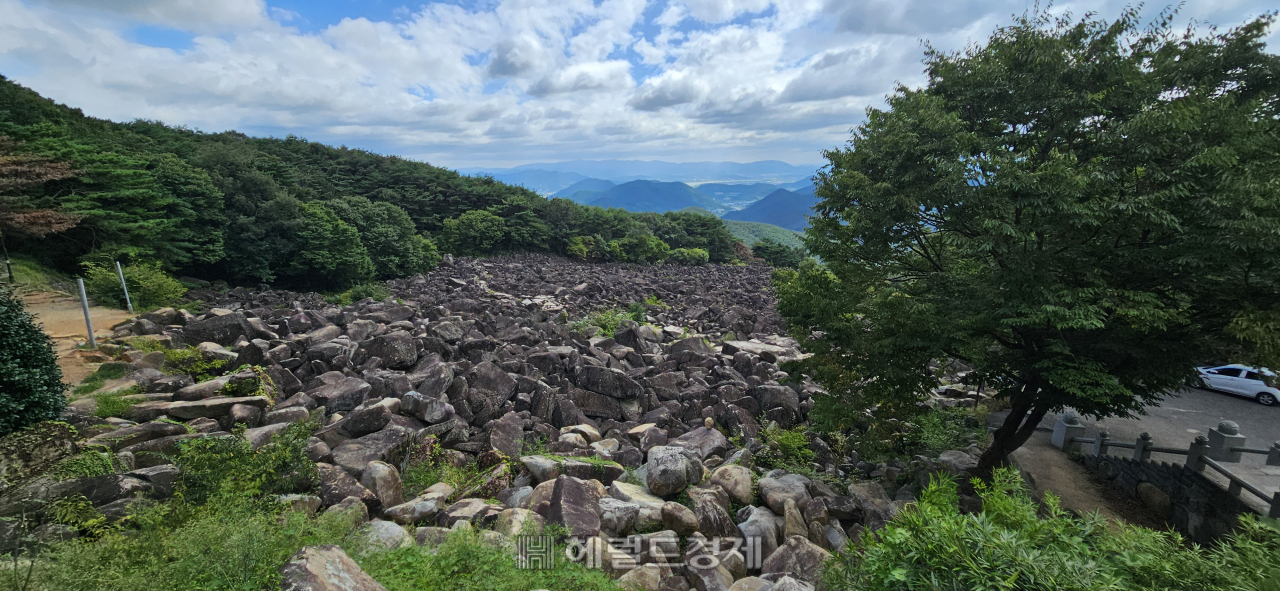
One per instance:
(777, 254)
(113, 404)
(474, 232)
(31, 388)
(465, 563)
(259, 385)
(606, 320)
(87, 463)
(232, 545)
(785, 448)
(753, 232)
(588, 248)
(330, 253)
(639, 248)
(1014, 543)
(389, 236)
(1080, 211)
(688, 256)
(149, 287)
(230, 467)
(420, 475)
(376, 291)
(190, 361)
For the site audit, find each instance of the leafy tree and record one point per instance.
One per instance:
(474, 232)
(330, 254)
(588, 248)
(31, 388)
(777, 254)
(386, 231)
(639, 248)
(1079, 211)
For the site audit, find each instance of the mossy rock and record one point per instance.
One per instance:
(30, 452)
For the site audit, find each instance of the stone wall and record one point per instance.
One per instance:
(1195, 505)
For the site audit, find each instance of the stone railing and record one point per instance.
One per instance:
(1225, 445)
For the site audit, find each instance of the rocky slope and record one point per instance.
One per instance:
(653, 432)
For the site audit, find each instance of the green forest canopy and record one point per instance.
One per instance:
(285, 211)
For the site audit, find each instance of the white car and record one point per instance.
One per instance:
(1242, 380)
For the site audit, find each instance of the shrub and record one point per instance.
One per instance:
(149, 287)
(31, 388)
(230, 467)
(190, 361)
(1015, 543)
(689, 256)
(607, 320)
(786, 447)
(376, 291)
(643, 249)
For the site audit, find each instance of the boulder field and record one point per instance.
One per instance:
(640, 445)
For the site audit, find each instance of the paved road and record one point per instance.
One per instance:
(1178, 419)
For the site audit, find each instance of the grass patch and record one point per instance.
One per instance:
(464, 563)
(32, 276)
(420, 475)
(113, 404)
(105, 372)
(189, 361)
(606, 320)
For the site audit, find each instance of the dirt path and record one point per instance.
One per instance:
(62, 318)
(1051, 470)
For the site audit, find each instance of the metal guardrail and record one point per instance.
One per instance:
(1224, 445)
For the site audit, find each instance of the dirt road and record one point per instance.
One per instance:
(62, 318)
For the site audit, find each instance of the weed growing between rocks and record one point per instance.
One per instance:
(606, 320)
(87, 463)
(113, 404)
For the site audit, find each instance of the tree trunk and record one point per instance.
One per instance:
(1015, 431)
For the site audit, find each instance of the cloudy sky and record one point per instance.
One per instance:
(505, 82)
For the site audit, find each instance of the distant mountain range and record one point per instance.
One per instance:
(620, 171)
(787, 209)
(585, 191)
(653, 196)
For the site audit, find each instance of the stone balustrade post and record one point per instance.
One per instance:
(1065, 430)
(1199, 449)
(1100, 443)
(1140, 446)
(1222, 438)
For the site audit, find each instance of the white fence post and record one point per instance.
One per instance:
(88, 324)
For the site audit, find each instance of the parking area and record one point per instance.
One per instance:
(1181, 417)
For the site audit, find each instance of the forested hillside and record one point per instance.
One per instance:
(284, 211)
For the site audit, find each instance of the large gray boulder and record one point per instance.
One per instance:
(223, 330)
(761, 524)
(575, 504)
(342, 395)
(670, 470)
(354, 455)
(610, 382)
(213, 408)
(396, 350)
(775, 491)
(710, 506)
(325, 568)
(705, 442)
(798, 558)
(487, 377)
